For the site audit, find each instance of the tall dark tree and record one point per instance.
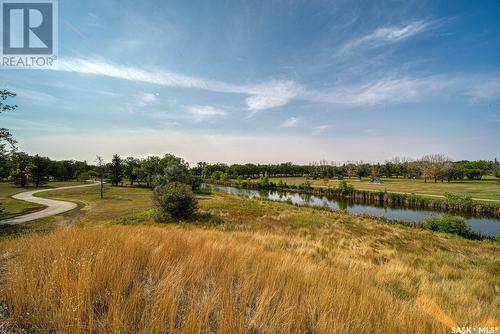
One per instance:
(115, 168)
(40, 170)
(22, 165)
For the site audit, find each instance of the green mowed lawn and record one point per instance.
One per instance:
(487, 189)
(12, 207)
(117, 201)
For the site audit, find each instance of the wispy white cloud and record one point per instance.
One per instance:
(489, 90)
(391, 89)
(262, 96)
(272, 94)
(385, 35)
(37, 96)
(141, 101)
(149, 97)
(200, 113)
(291, 122)
(321, 128)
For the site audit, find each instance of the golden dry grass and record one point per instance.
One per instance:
(462, 276)
(267, 267)
(153, 280)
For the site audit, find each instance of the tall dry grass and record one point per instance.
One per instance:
(125, 279)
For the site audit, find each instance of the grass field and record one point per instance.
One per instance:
(242, 266)
(13, 207)
(487, 189)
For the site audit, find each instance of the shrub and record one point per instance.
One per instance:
(447, 224)
(344, 188)
(175, 200)
(264, 181)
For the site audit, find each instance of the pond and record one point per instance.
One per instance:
(486, 226)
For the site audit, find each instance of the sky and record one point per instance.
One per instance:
(265, 81)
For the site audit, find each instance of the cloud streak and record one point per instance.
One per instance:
(485, 91)
(291, 122)
(141, 101)
(200, 113)
(262, 96)
(392, 88)
(384, 35)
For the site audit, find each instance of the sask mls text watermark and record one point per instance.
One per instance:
(29, 38)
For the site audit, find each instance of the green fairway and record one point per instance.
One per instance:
(12, 207)
(117, 201)
(487, 189)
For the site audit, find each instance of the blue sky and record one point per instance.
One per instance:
(270, 81)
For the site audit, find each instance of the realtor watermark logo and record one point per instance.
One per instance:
(29, 36)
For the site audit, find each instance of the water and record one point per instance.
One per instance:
(486, 226)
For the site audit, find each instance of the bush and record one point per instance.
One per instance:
(175, 200)
(447, 224)
(216, 175)
(264, 181)
(345, 188)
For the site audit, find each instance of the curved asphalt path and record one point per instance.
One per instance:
(53, 207)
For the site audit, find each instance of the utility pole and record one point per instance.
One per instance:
(100, 164)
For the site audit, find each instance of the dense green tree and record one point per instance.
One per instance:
(363, 170)
(175, 170)
(130, 169)
(21, 169)
(40, 170)
(149, 168)
(115, 170)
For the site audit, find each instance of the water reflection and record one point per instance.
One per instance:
(488, 226)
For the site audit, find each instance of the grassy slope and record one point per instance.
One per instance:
(481, 189)
(293, 268)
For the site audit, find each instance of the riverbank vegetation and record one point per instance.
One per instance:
(343, 189)
(486, 189)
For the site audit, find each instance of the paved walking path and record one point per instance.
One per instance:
(53, 207)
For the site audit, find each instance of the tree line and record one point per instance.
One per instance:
(435, 167)
(22, 169)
